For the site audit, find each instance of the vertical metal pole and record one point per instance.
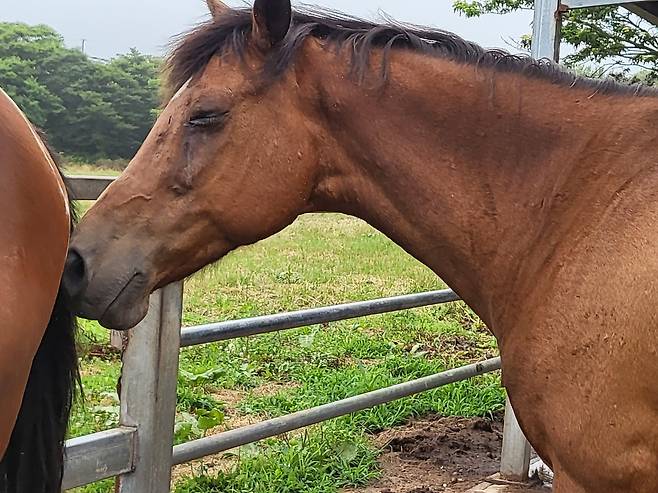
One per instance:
(546, 30)
(148, 391)
(515, 460)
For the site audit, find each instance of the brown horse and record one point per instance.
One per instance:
(38, 363)
(532, 192)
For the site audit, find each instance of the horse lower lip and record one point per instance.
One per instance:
(126, 291)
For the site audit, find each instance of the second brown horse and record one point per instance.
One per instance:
(38, 364)
(530, 191)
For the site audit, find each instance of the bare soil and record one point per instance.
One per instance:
(437, 454)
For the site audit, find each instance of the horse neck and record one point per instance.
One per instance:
(480, 176)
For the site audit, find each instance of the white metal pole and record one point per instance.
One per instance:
(515, 460)
(546, 30)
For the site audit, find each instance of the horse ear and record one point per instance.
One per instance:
(217, 8)
(271, 22)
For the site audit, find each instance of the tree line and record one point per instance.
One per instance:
(94, 109)
(89, 109)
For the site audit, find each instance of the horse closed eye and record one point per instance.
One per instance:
(207, 120)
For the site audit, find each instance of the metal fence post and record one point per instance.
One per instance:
(515, 460)
(148, 391)
(546, 30)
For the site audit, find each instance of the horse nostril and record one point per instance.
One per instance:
(75, 274)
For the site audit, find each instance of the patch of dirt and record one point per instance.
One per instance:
(433, 455)
(521, 489)
(459, 348)
(103, 352)
(232, 418)
(272, 388)
(207, 467)
(463, 347)
(229, 397)
(232, 398)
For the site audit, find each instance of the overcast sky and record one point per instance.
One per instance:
(114, 26)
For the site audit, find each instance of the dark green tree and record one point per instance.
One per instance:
(131, 82)
(20, 47)
(89, 109)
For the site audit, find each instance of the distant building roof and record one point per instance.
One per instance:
(646, 10)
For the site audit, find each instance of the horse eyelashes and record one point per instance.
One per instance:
(207, 120)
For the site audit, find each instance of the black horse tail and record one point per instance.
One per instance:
(34, 460)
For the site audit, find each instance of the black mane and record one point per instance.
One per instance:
(231, 33)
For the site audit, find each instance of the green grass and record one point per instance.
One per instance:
(320, 260)
(73, 168)
(318, 461)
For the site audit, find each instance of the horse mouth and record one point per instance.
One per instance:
(129, 306)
